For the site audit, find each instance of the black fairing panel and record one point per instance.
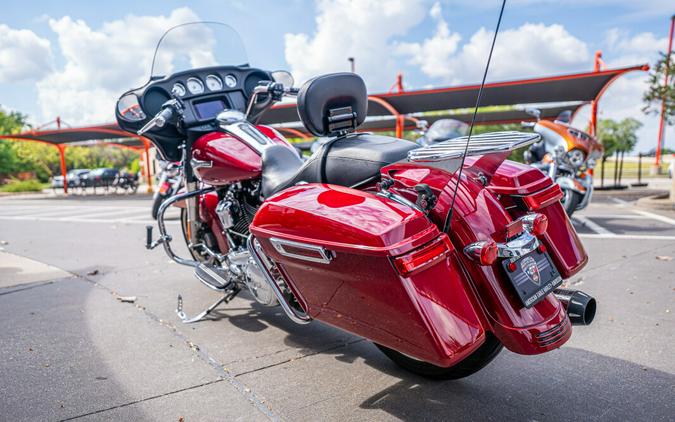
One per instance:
(349, 161)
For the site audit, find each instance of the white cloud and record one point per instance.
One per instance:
(530, 50)
(23, 55)
(362, 29)
(100, 64)
(623, 98)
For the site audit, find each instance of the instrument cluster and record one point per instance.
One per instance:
(204, 91)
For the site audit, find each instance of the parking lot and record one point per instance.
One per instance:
(89, 332)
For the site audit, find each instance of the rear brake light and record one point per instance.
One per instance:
(424, 257)
(484, 252)
(543, 198)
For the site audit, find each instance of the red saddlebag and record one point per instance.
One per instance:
(374, 267)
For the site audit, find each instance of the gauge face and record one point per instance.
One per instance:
(195, 86)
(213, 83)
(178, 89)
(230, 81)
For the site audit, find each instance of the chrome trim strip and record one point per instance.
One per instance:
(326, 255)
(199, 164)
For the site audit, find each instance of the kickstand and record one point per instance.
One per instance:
(184, 318)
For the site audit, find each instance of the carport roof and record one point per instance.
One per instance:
(577, 87)
(80, 135)
(587, 86)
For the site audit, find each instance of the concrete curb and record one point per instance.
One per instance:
(657, 202)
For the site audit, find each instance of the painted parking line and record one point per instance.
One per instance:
(81, 214)
(598, 229)
(625, 236)
(656, 217)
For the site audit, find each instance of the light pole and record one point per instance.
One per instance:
(351, 64)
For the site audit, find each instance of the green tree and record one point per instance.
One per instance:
(618, 135)
(658, 93)
(10, 122)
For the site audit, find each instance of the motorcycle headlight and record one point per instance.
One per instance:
(576, 157)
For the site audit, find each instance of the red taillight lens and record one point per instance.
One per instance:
(488, 253)
(484, 252)
(543, 198)
(539, 225)
(423, 257)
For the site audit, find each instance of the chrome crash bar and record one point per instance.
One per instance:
(164, 237)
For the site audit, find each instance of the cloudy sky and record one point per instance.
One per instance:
(73, 59)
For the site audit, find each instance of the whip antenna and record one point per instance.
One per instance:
(448, 219)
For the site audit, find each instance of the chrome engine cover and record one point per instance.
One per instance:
(242, 265)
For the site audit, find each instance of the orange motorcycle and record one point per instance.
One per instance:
(568, 155)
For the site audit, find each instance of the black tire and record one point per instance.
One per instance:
(570, 201)
(470, 365)
(156, 204)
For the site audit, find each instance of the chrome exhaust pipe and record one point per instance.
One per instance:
(580, 307)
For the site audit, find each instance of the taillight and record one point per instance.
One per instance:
(539, 225)
(535, 223)
(484, 252)
(543, 198)
(423, 257)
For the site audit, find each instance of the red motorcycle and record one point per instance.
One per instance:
(378, 236)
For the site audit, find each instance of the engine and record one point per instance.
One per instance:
(236, 211)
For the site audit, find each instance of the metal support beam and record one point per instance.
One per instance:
(662, 125)
(593, 127)
(64, 170)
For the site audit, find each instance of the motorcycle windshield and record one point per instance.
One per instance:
(197, 44)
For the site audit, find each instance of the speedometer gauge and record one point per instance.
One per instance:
(178, 89)
(230, 81)
(214, 83)
(195, 86)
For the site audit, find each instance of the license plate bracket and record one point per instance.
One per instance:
(533, 278)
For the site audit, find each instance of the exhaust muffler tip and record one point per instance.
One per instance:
(580, 306)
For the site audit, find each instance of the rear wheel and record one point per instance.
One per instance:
(570, 201)
(470, 365)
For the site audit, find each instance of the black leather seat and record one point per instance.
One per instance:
(333, 105)
(349, 161)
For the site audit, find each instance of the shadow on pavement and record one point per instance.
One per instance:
(566, 384)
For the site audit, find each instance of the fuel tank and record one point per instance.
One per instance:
(229, 159)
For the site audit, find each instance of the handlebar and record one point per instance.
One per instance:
(167, 112)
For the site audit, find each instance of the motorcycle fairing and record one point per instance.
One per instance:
(430, 314)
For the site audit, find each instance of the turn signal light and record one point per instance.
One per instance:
(539, 224)
(484, 252)
(424, 257)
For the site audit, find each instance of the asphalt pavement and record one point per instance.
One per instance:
(89, 332)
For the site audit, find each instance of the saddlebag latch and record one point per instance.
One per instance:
(426, 200)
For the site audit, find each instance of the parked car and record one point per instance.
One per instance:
(74, 178)
(101, 177)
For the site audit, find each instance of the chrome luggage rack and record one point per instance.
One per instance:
(480, 144)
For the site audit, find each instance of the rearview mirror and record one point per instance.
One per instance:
(283, 77)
